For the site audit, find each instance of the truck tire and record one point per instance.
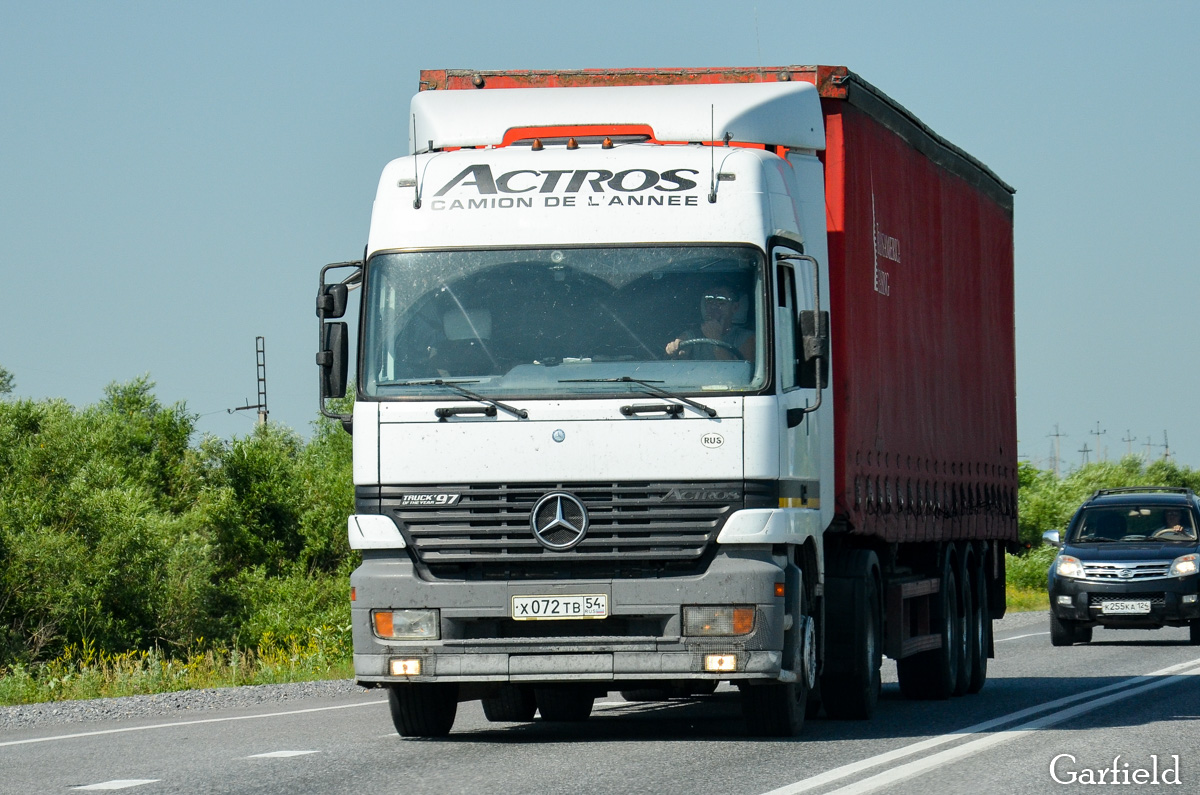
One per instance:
(931, 675)
(1194, 632)
(1083, 634)
(564, 704)
(423, 709)
(1063, 632)
(850, 678)
(778, 709)
(968, 623)
(982, 631)
(512, 704)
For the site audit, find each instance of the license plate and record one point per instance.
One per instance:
(1126, 607)
(533, 608)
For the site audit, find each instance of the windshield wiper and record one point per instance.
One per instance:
(454, 387)
(1093, 539)
(648, 386)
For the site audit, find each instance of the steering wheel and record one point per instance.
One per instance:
(717, 343)
(1167, 531)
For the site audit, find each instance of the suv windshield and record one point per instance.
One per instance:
(532, 322)
(1134, 523)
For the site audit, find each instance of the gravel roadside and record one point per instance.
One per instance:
(169, 705)
(189, 702)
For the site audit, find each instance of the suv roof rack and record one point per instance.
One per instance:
(1142, 489)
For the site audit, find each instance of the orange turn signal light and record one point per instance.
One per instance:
(780, 590)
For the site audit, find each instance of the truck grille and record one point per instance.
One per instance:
(635, 529)
(1111, 572)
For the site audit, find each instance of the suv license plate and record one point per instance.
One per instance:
(1126, 607)
(534, 608)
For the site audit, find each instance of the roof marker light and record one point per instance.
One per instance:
(572, 143)
(608, 144)
(537, 145)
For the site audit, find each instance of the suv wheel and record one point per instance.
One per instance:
(1062, 631)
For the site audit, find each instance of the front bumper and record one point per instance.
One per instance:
(1166, 597)
(640, 641)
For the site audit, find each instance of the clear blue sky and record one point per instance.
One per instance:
(173, 176)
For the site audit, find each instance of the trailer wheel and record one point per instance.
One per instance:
(567, 704)
(968, 624)
(513, 704)
(982, 631)
(931, 675)
(850, 681)
(778, 709)
(423, 709)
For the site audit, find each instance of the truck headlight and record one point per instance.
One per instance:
(1068, 566)
(717, 621)
(406, 624)
(1183, 565)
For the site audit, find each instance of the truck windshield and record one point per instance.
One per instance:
(565, 321)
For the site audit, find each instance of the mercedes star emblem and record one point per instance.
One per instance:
(559, 521)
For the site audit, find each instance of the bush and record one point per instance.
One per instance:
(119, 534)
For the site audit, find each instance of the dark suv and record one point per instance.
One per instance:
(1130, 560)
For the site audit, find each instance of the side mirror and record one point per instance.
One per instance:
(331, 301)
(813, 343)
(333, 359)
(1052, 538)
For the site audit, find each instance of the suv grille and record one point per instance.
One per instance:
(635, 529)
(1141, 570)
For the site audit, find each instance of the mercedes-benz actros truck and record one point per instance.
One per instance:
(668, 378)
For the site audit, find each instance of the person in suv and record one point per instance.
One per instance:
(1129, 559)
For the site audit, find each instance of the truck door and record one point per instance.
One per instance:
(799, 465)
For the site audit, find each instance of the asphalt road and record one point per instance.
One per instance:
(1134, 694)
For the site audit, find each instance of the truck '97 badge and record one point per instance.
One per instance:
(428, 500)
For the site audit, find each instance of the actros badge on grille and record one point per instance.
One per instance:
(559, 521)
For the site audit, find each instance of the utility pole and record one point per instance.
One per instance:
(260, 352)
(1057, 436)
(1166, 446)
(1149, 445)
(1128, 440)
(1098, 433)
(1085, 452)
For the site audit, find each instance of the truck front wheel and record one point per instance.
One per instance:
(423, 709)
(778, 709)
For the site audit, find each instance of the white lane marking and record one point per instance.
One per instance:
(919, 766)
(1018, 637)
(853, 768)
(186, 723)
(279, 754)
(120, 783)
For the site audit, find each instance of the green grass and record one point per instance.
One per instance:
(81, 672)
(1026, 600)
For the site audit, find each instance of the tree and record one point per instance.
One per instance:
(6, 381)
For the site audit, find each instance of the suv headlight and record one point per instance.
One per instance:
(1183, 565)
(1068, 566)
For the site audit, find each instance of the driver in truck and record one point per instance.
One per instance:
(718, 337)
